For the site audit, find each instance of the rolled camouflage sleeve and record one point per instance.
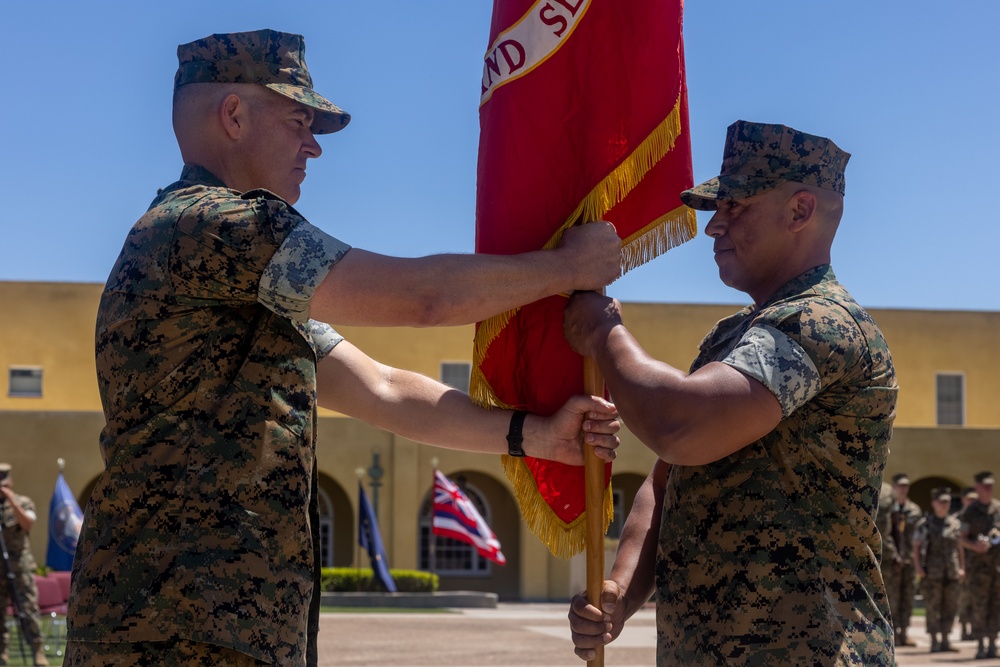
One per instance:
(297, 268)
(779, 363)
(324, 337)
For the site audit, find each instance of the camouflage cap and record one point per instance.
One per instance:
(759, 156)
(901, 479)
(268, 57)
(984, 477)
(941, 493)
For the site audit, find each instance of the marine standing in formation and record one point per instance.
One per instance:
(981, 539)
(969, 496)
(939, 562)
(899, 574)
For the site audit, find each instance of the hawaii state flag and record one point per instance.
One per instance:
(456, 517)
(65, 521)
(583, 117)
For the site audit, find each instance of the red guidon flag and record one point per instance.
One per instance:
(583, 117)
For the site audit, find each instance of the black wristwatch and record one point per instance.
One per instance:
(514, 436)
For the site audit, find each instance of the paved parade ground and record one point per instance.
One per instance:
(513, 635)
(516, 635)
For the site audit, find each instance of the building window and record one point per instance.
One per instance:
(456, 375)
(444, 555)
(950, 399)
(25, 381)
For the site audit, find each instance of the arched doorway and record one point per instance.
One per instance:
(337, 524)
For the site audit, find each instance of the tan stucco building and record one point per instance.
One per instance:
(947, 426)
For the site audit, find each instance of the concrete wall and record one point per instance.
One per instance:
(50, 325)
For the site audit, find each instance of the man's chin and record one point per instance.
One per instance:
(291, 195)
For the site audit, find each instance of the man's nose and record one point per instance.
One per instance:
(716, 227)
(312, 147)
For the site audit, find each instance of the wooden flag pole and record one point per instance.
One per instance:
(593, 383)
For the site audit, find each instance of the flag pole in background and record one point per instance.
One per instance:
(65, 522)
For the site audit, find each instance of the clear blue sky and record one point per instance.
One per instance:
(911, 89)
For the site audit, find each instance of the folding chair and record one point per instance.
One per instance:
(64, 581)
(52, 613)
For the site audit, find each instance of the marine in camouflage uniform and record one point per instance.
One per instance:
(964, 594)
(980, 526)
(210, 431)
(939, 562)
(753, 547)
(22, 566)
(202, 532)
(899, 574)
(206, 364)
(766, 555)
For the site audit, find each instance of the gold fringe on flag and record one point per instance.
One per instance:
(564, 540)
(666, 232)
(480, 390)
(660, 235)
(619, 183)
(487, 331)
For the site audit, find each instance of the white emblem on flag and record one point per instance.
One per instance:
(531, 41)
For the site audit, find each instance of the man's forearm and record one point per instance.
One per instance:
(635, 563)
(368, 289)
(428, 412)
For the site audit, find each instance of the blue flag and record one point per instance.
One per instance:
(370, 540)
(65, 520)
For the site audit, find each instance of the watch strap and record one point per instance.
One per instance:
(515, 438)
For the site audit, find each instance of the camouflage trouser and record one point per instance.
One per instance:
(964, 603)
(984, 589)
(900, 587)
(941, 603)
(27, 599)
(179, 653)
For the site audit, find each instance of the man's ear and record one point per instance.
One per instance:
(232, 115)
(802, 208)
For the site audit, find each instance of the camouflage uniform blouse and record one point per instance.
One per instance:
(904, 518)
(981, 520)
(17, 539)
(199, 526)
(769, 556)
(938, 541)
